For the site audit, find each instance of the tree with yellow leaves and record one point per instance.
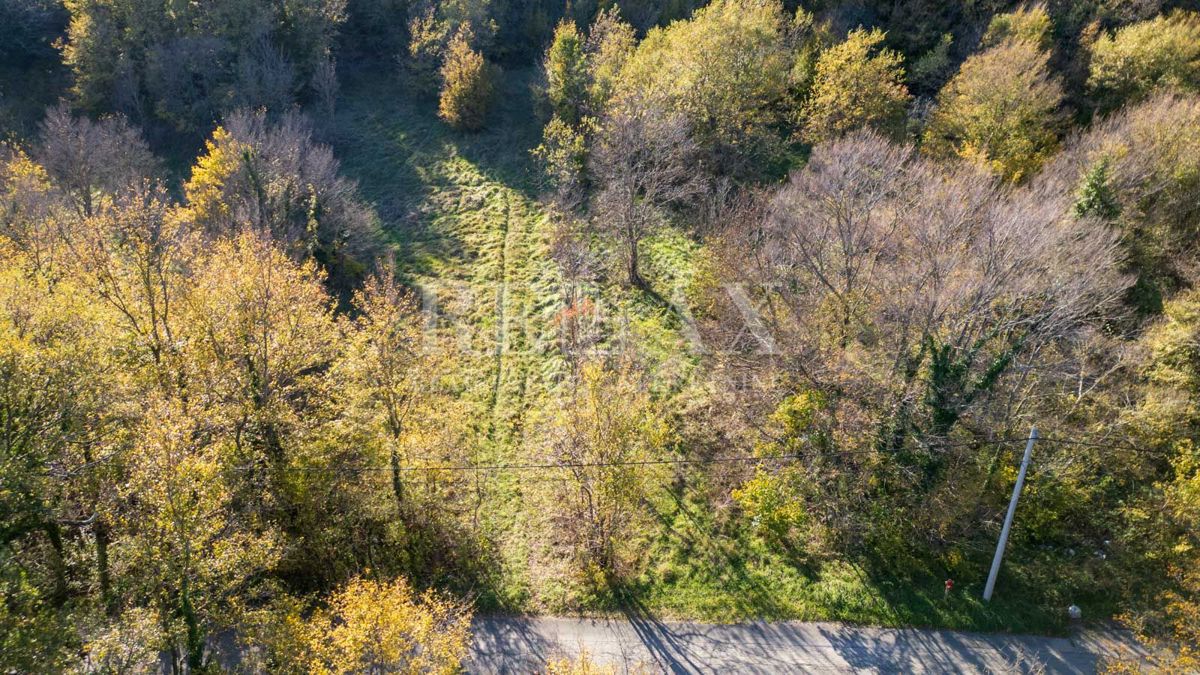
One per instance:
(186, 552)
(1026, 23)
(1164, 521)
(1001, 110)
(386, 627)
(270, 176)
(603, 434)
(1158, 54)
(396, 384)
(858, 83)
(727, 71)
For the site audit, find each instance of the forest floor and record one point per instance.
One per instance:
(462, 214)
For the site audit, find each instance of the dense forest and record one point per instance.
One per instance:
(325, 324)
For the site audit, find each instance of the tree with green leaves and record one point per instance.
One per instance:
(566, 74)
(581, 77)
(727, 70)
(609, 45)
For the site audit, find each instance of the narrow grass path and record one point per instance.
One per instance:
(461, 215)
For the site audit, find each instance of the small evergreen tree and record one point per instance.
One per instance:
(467, 86)
(566, 74)
(1096, 197)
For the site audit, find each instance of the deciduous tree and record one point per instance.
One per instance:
(726, 70)
(856, 83)
(605, 432)
(387, 625)
(1138, 169)
(1001, 109)
(566, 74)
(643, 163)
(271, 177)
(1156, 54)
(904, 295)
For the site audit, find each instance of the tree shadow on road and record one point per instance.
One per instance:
(667, 644)
(906, 650)
(509, 645)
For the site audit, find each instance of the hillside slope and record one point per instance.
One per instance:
(462, 215)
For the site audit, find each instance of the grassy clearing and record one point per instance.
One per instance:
(461, 213)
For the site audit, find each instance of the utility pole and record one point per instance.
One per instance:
(1008, 519)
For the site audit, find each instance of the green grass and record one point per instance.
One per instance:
(461, 213)
(701, 573)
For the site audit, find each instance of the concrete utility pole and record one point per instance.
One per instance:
(1008, 519)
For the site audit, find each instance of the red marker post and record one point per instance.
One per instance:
(949, 587)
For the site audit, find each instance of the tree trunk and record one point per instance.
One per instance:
(195, 637)
(635, 276)
(59, 562)
(102, 571)
(397, 484)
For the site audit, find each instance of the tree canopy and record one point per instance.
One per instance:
(328, 324)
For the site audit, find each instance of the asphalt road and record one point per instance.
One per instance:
(522, 645)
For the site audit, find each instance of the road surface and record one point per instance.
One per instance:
(522, 645)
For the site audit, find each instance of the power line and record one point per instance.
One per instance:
(532, 466)
(926, 444)
(551, 465)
